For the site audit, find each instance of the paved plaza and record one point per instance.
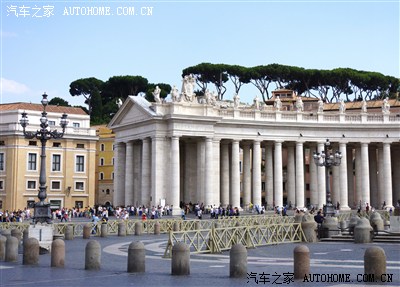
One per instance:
(269, 265)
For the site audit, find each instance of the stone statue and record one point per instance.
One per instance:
(174, 94)
(342, 106)
(386, 106)
(299, 104)
(364, 107)
(118, 102)
(320, 106)
(213, 98)
(156, 94)
(278, 103)
(236, 101)
(188, 88)
(208, 97)
(256, 103)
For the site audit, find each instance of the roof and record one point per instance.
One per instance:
(39, 107)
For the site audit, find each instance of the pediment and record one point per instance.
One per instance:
(133, 110)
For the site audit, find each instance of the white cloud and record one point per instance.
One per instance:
(12, 87)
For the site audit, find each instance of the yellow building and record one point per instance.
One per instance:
(104, 166)
(70, 161)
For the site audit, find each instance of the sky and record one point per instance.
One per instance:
(44, 47)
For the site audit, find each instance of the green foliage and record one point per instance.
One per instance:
(56, 101)
(165, 90)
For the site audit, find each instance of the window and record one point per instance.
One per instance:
(107, 191)
(80, 146)
(112, 161)
(55, 144)
(56, 185)
(2, 166)
(79, 185)
(76, 125)
(102, 161)
(102, 147)
(34, 143)
(101, 176)
(2, 143)
(56, 164)
(1, 184)
(78, 204)
(80, 163)
(112, 175)
(31, 184)
(32, 161)
(30, 203)
(52, 123)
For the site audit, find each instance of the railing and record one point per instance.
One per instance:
(215, 240)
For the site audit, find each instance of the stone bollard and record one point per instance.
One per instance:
(69, 232)
(121, 228)
(136, 257)
(375, 262)
(17, 234)
(376, 222)
(180, 263)
(6, 233)
(343, 226)
(330, 227)
(31, 252)
(58, 253)
(87, 229)
(175, 226)
(353, 222)
(309, 227)
(92, 255)
(25, 235)
(11, 249)
(301, 261)
(197, 225)
(362, 231)
(298, 218)
(157, 228)
(138, 228)
(3, 240)
(104, 229)
(238, 261)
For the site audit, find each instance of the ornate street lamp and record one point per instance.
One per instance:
(42, 211)
(328, 159)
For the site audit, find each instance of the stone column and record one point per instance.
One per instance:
(216, 199)
(119, 174)
(344, 204)
(299, 175)
(291, 176)
(321, 179)
(350, 177)
(175, 176)
(158, 166)
(208, 188)
(146, 172)
(373, 175)
(358, 178)
(335, 190)
(235, 179)
(387, 175)
(137, 173)
(313, 177)
(225, 173)
(395, 152)
(269, 174)
(381, 179)
(129, 174)
(256, 173)
(200, 171)
(365, 174)
(278, 184)
(246, 176)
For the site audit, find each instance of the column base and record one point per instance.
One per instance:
(344, 208)
(176, 211)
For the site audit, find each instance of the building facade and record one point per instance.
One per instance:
(185, 151)
(70, 161)
(104, 166)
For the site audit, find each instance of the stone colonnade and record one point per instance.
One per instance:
(173, 169)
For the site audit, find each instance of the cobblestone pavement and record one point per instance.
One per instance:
(267, 266)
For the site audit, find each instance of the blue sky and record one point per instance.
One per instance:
(46, 54)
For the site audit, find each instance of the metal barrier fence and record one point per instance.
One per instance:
(215, 240)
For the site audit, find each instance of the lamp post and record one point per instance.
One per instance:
(42, 211)
(328, 159)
